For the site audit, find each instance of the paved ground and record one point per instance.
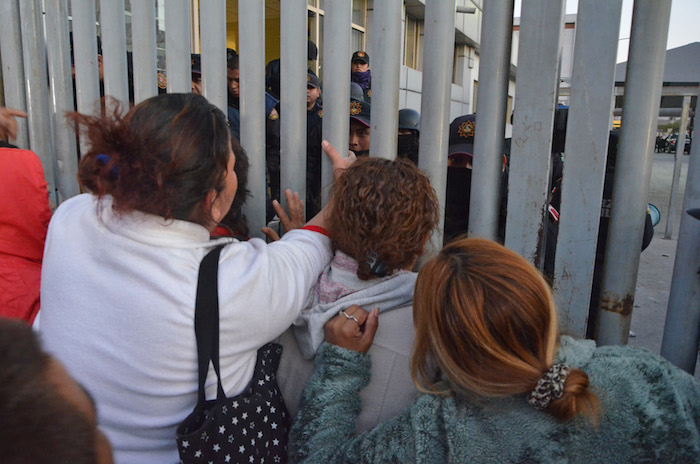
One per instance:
(656, 264)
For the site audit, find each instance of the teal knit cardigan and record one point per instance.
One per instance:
(650, 414)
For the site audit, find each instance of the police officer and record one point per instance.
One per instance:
(314, 123)
(272, 129)
(196, 62)
(359, 127)
(459, 179)
(360, 73)
(409, 134)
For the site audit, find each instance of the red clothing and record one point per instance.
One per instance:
(24, 219)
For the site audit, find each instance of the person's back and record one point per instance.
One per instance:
(377, 240)
(500, 384)
(121, 265)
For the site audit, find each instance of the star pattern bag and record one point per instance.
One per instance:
(251, 427)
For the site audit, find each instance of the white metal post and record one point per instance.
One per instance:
(87, 78)
(541, 27)
(494, 70)
(36, 76)
(677, 161)
(143, 35)
(337, 51)
(116, 81)
(645, 70)
(435, 101)
(386, 66)
(177, 46)
(682, 329)
(252, 106)
(13, 66)
(212, 14)
(293, 97)
(58, 51)
(587, 134)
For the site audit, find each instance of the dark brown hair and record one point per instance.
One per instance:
(38, 424)
(235, 221)
(382, 206)
(162, 158)
(486, 317)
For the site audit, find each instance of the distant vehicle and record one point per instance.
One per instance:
(673, 141)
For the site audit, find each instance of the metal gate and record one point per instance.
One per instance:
(36, 71)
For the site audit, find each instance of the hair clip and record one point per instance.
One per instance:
(376, 265)
(105, 159)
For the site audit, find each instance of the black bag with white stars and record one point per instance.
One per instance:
(251, 427)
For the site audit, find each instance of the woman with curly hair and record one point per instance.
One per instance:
(500, 383)
(389, 210)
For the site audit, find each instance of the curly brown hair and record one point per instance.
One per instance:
(382, 206)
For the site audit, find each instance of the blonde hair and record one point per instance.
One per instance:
(486, 317)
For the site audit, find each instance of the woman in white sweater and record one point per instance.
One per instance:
(121, 265)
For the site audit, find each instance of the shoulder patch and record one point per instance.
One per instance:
(320, 113)
(369, 92)
(161, 81)
(273, 114)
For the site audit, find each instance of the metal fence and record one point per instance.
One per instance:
(36, 72)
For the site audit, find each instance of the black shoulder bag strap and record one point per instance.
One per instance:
(206, 321)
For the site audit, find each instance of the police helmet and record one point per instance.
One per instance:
(356, 92)
(409, 119)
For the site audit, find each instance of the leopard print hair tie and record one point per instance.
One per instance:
(550, 387)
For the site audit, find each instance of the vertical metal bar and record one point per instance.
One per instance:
(87, 78)
(143, 34)
(541, 27)
(337, 51)
(682, 329)
(592, 81)
(435, 101)
(36, 77)
(677, 161)
(251, 30)
(62, 92)
(494, 69)
(293, 97)
(645, 70)
(177, 46)
(114, 50)
(13, 66)
(386, 41)
(213, 19)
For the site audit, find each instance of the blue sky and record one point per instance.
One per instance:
(684, 26)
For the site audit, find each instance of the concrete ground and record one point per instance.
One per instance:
(656, 263)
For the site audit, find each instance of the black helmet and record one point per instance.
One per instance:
(356, 92)
(409, 119)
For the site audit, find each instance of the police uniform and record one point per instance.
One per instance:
(272, 144)
(363, 79)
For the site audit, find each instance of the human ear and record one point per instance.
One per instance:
(214, 207)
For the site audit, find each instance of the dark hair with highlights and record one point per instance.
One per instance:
(486, 317)
(382, 206)
(162, 157)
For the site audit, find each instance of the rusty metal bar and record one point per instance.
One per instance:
(645, 70)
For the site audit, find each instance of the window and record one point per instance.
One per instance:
(413, 43)
(359, 13)
(315, 32)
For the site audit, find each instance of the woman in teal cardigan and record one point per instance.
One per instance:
(500, 384)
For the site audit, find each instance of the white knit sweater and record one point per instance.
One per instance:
(118, 296)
